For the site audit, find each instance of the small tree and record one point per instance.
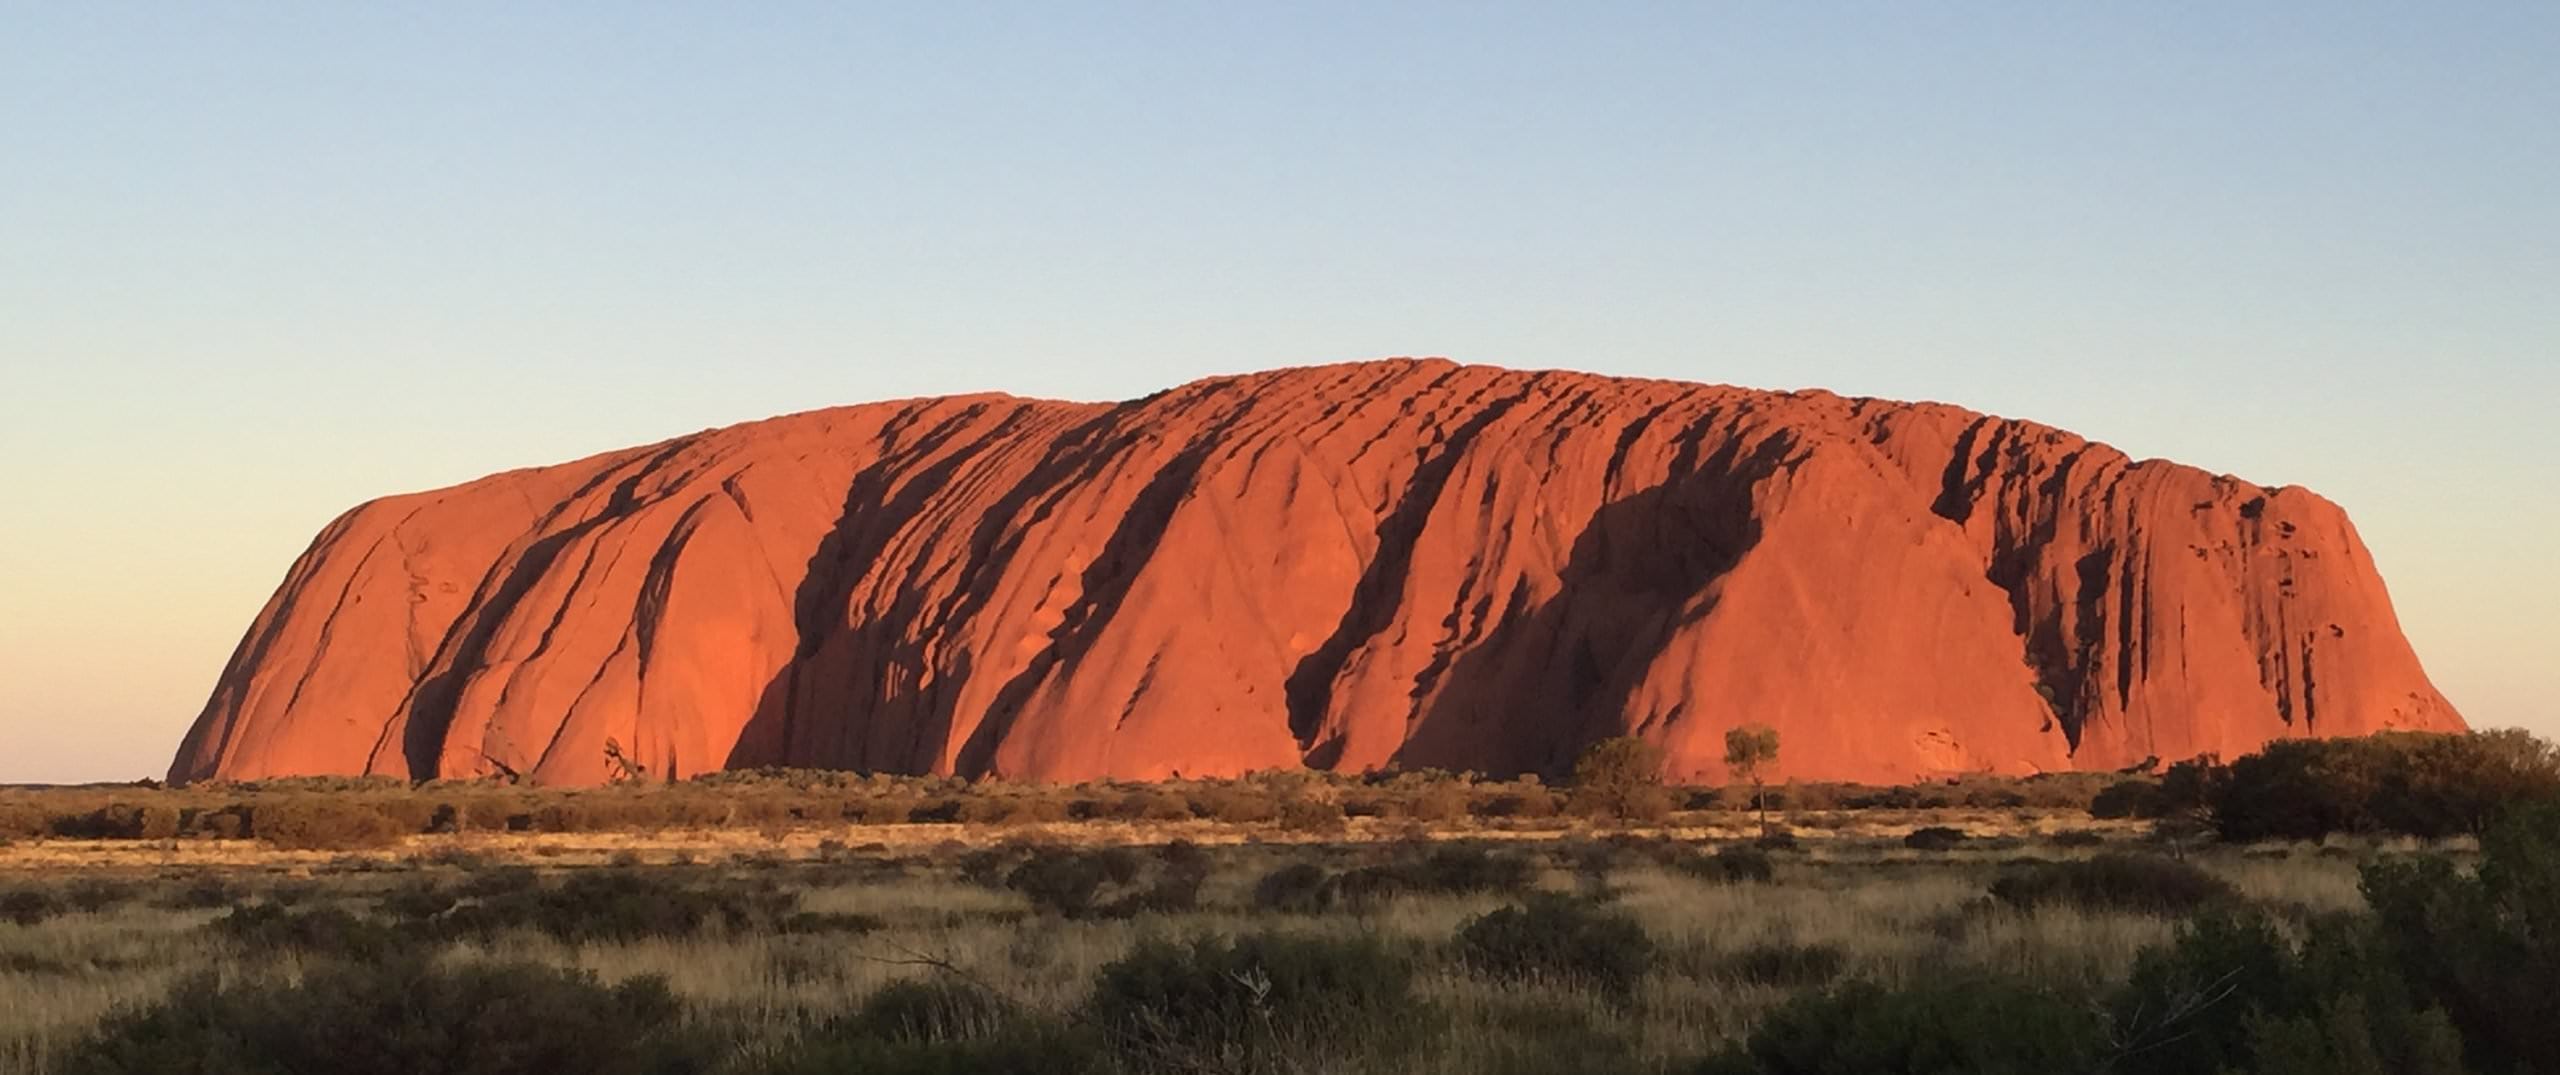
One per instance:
(1621, 778)
(1746, 750)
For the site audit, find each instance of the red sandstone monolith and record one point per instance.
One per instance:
(1396, 563)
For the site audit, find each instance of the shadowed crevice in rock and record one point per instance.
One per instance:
(1375, 600)
(1545, 684)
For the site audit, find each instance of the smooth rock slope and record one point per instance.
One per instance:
(1410, 563)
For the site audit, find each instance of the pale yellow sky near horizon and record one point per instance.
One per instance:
(260, 263)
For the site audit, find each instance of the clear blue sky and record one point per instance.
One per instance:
(261, 261)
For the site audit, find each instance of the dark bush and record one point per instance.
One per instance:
(617, 905)
(1553, 938)
(2231, 994)
(1297, 888)
(321, 931)
(1465, 868)
(1314, 816)
(2414, 783)
(1069, 882)
(803, 922)
(930, 1009)
(1934, 838)
(499, 881)
(1528, 804)
(1730, 865)
(122, 821)
(416, 898)
(2482, 945)
(1537, 1036)
(93, 896)
(1257, 997)
(2133, 798)
(1963, 1026)
(2076, 838)
(202, 892)
(1621, 778)
(1440, 801)
(1151, 805)
(2114, 882)
(1416, 868)
(1791, 966)
(24, 820)
(1175, 888)
(1186, 857)
(321, 823)
(28, 906)
(402, 1017)
(1017, 1047)
(1234, 805)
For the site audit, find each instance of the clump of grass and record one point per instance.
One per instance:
(1730, 865)
(1960, 1026)
(1553, 938)
(28, 906)
(1258, 998)
(1787, 965)
(324, 931)
(401, 1015)
(2114, 882)
(615, 905)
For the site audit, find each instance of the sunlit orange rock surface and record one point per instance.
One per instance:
(1396, 563)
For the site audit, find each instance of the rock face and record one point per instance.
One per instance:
(1408, 563)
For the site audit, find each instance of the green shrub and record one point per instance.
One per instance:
(1257, 998)
(1621, 778)
(1553, 938)
(401, 1017)
(2232, 994)
(2414, 783)
(2482, 945)
(1961, 1026)
(1934, 838)
(2114, 882)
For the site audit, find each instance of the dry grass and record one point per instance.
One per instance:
(1892, 914)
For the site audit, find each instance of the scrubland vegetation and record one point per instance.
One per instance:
(2382, 914)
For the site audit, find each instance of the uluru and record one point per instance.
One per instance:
(1401, 563)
